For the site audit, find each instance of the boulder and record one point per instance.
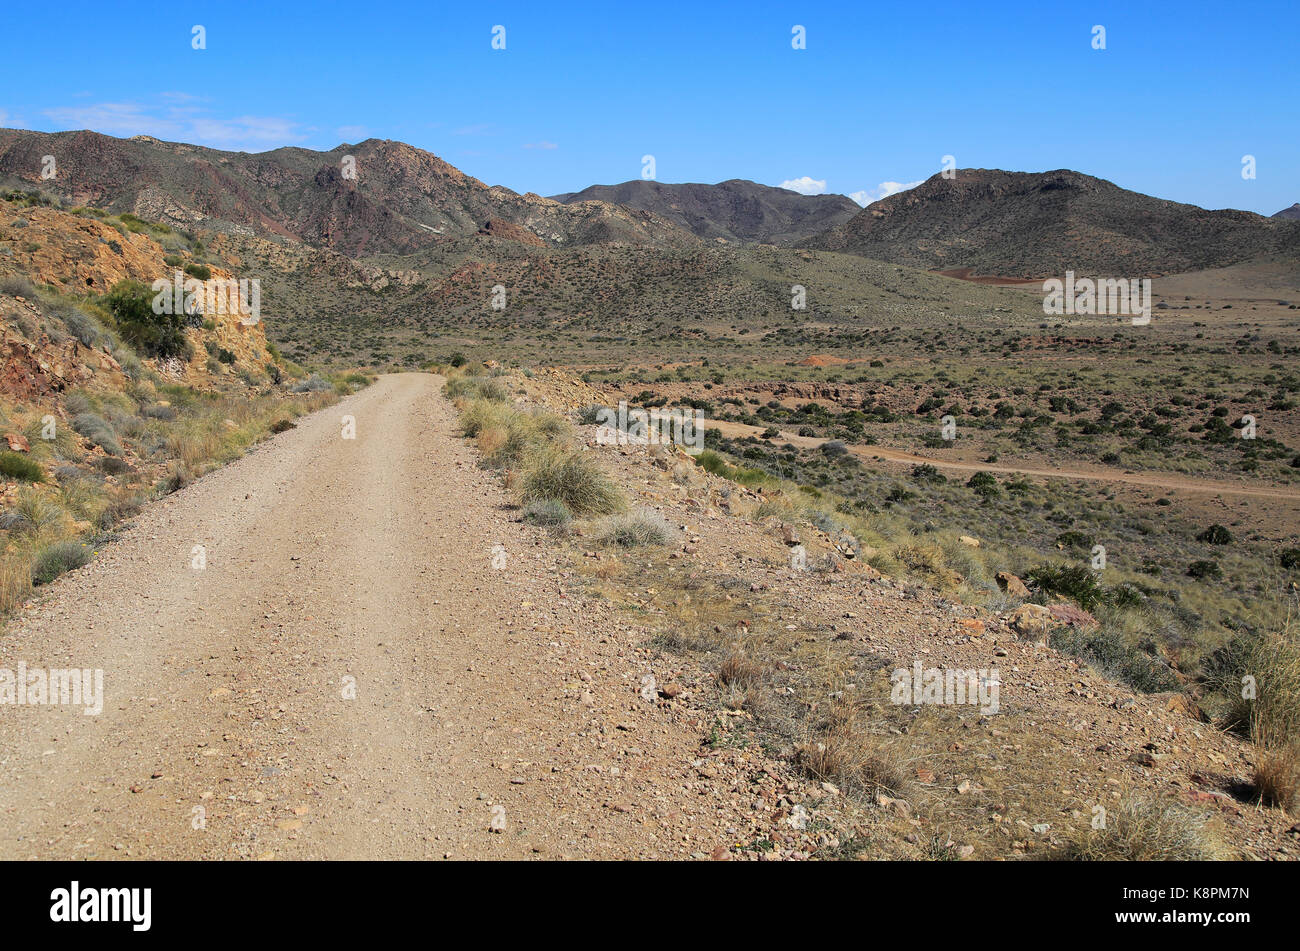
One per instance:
(1012, 585)
(1031, 621)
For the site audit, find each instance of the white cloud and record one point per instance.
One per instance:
(541, 145)
(806, 185)
(182, 123)
(259, 132)
(883, 190)
(353, 133)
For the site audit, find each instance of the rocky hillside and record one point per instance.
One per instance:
(734, 210)
(77, 256)
(1036, 224)
(1293, 212)
(374, 197)
(105, 404)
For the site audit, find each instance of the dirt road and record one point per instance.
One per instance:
(347, 676)
(1154, 480)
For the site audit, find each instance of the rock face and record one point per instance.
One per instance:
(77, 254)
(33, 368)
(80, 254)
(1012, 585)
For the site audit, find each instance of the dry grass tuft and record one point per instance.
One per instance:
(573, 478)
(1277, 776)
(1150, 830)
(738, 670)
(853, 759)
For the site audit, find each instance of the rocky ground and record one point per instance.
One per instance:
(1020, 782)
(378, 659)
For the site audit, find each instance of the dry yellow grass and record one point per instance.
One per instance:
(1150, 830)
(1277, 776)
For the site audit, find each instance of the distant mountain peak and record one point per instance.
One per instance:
(735, 210)
(1038, 224)
(401, 199)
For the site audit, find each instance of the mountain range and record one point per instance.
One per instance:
(734, 210)
(384, 203)
(1037, 224)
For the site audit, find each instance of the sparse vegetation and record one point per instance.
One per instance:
(14, 465)
(57, 558)
(636, 529)
(569, 477)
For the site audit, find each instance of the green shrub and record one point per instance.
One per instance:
(1202, 569)
(1215, 535)
(985, 485)
(834, 448)
(53, 560)
(98, 431)
(156, 335)
(201, 271)
(572, 478)
(1072, 539)
(1072, 581)
(14, 465)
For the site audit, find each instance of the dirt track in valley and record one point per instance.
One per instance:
(227, 730)
(1153, 480)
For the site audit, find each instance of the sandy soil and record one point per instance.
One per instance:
(334, 564)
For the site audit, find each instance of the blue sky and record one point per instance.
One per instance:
(582, 91)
